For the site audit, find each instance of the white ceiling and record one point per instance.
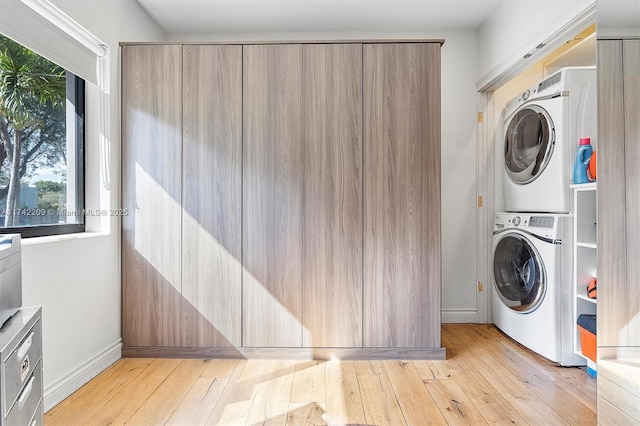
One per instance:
(261, 16)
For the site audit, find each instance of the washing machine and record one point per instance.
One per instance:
(542, 128)
(531, 297)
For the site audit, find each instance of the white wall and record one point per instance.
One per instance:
(459, 157)
(517, 27)
(76, 279)
(618, 18)
(459, 59)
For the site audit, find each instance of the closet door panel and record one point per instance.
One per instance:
(212, 196)
(631, 64)
(272, 196)
(332, 99)
(612, 229)
(151, 192)
(402, 195)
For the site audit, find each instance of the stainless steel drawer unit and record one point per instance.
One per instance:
(21, 369)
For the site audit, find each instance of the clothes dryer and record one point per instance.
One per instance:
(542, 129)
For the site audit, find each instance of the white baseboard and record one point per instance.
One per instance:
(58, 391)
(460, 316)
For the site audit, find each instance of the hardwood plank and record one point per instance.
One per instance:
(612, 226)
(235, 403)
(489, 332)
(558, 399)
(197, 405)
(151, 192)
(582, 387)
(159, 407)
(402, 276)
(465, 370)
(212, 196)
(219, 368)
(309, 382)
(631, 65)
(527, 403)
(311, 413)
(486, 399)
(574, 381)
(272, 196)
(344, 404)
(477, 366)
(131, 397)
(378, 399)
(83, 403)
(271, 401)
(332, 227)
(418, 407)
(429, 370)
(455, 406)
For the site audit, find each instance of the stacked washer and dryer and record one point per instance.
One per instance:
(532, 239)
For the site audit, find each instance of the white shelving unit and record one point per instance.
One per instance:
(585, 254)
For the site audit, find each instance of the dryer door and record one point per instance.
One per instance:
(528, 144)
(519, 273)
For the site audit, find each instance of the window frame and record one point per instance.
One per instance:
(31, 231)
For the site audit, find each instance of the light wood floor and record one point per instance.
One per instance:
(487, 378)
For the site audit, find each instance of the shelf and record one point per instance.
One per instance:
(585, 253)
(586, 298)
(591, 186)
(587, 245)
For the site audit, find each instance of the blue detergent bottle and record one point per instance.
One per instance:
(582, 161)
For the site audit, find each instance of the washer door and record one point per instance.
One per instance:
(519, 273)
(528, 144)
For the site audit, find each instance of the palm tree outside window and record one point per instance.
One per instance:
(41, 144)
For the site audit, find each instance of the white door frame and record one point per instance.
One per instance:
(485, 156)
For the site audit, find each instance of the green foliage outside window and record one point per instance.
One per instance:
(32, 131)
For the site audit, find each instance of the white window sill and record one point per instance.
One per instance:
(64, 237)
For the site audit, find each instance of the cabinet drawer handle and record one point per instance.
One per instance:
(26, 392)
(22, 351)
(24, 368)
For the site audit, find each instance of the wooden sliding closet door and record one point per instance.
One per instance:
(212, 175)
(631, 63)
(612, 218)
(402, 195)
(151, 192)
(332, 195)
(272, 196)
(618, 192)
(618, 307)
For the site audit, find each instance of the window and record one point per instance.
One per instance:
(42, 145)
